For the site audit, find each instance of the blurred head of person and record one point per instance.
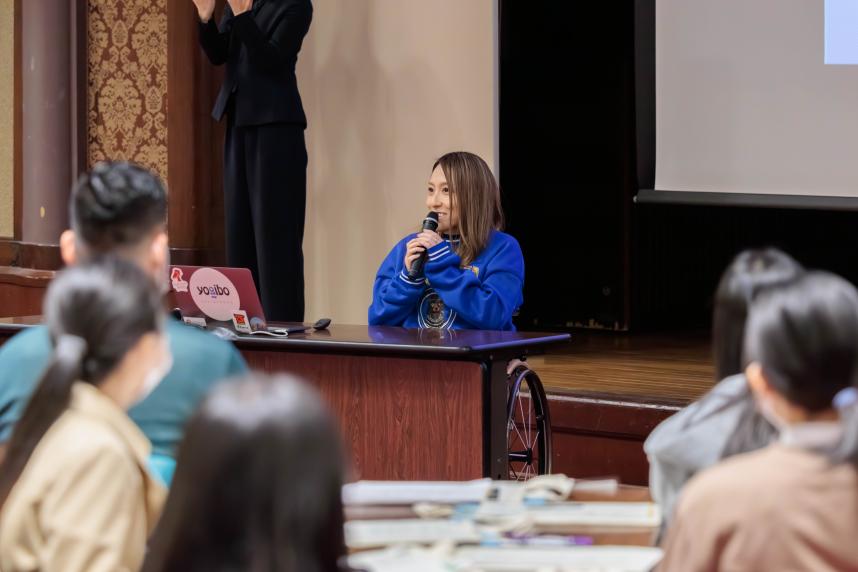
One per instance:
(801, 342)
(105, 320)
(120, 209)
(749, 273)
(257, 484)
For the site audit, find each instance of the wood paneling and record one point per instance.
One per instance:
(607, 392)
(194, 142)
(401, 419)
(22, 290)
(672, 367)
(29, 255)
(422, 413)
(602, 436)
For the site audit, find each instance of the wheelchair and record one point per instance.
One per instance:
(528, 425)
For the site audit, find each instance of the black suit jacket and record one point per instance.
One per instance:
(260, 49)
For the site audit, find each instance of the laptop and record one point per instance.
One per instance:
(214, 297)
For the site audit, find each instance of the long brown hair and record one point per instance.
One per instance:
(474, 191)
(239, 501)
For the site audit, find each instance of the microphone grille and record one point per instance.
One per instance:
(431, 221)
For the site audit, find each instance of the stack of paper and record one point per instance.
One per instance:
(619, 514)
(576, 558)
(528, 559)
(413, 492)
(363, 534)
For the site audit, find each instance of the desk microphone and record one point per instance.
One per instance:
(429, 223)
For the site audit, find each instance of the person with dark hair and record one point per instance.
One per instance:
(724, 422)
(787, 506)
(473, 274)
(75, 493)
(265, 156)
(257, 486)
(121, 209)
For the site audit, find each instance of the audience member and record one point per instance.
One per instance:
(725, 421)
(473, 274)
(257, 486)
(787, 506)
(74, 487)
(121, 209)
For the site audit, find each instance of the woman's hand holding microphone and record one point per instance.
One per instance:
(419, 244)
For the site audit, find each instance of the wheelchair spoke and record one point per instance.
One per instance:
(520, 438)
(527, 427)
(533, 444)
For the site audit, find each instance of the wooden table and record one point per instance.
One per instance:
(412, 404)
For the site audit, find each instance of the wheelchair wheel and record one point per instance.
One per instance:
(528, 426)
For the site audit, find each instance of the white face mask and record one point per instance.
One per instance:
(156, 375)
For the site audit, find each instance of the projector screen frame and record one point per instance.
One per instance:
(652, 196)
(645, 141)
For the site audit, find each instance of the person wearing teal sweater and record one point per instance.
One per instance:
(121, 209)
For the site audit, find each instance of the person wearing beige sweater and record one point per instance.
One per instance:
(792, 505)
(74, 488)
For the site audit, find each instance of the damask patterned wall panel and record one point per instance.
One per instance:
(127, 67)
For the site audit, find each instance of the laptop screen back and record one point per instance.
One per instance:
(217, 296)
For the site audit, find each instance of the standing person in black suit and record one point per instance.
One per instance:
(265, 157)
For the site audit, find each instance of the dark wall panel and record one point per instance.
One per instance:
(567, 155)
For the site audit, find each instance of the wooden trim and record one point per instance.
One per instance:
(18, 123)
(47, 256)
(26, 277)
(194, 141)
(197, 256)
(79, 82)
(29, 255)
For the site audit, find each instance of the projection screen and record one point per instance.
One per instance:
(756, 97)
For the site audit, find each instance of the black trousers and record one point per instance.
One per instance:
(265, 197)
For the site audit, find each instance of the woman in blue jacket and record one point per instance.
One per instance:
(474, 273)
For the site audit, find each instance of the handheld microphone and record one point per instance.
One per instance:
(429, 223)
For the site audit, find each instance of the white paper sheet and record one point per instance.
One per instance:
(379, 533)
(412, 492)
(572, 559)
(632, 514)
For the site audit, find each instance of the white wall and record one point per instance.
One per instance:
(388, 86)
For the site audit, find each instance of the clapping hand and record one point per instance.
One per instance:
(205, 9)
(240, 6)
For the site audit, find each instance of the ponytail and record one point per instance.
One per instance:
(50, 399)
(95, 313)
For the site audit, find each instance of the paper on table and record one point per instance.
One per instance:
(525, 559)
(575, 558)
(412, 492)
(631, 514)
(400, 559)
(377, 533)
